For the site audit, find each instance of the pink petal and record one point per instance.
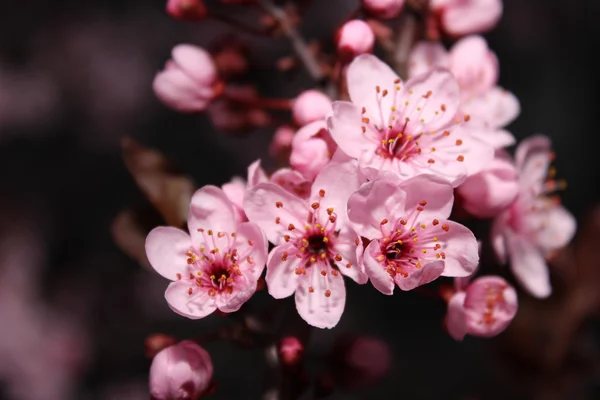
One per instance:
(235, 190)
(528, 265)
(166, 249)
(337, 191)
(196, 63)
(281, 277)
(178, 91)
(473, 64)
(350, 252)
(474, 16)
(557, 228)
(532, 158)
(437, 192)
(477, 154)
(428, 273)
(496, 107)
(251, 241)
(374, 202)
(497, 139)
(426, 55)
(256, 174)
(210, 209)
(378, 276)
(308, 131)
(292, 181)
(365, 73)
(309, 157)
(461, 248)
(504, 305)
(499, 226)
(266, 202)
(456, 319)
(197, 305)
(316, 308)
(434, 100)
(238, 298)
(345, 128)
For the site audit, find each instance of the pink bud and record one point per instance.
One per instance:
(485, 308)
(309, 106)
(189, 81)
(312, 148)
(281, 142)
(361, 361)
(182, 371)
(290, 351)
(463, 17)
(353, 38)
(384, 9)
(190, 10)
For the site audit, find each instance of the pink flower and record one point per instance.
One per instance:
(281, 143)
(310, 106)
(412, 242)
(181, 372)
(313, 242)
(408, 129)
(353, 38)
(189, 81)
(535, 225)
(491, 191)
(475, 67)
(191, 10)
(463, 17)
(385, 9)
(312, 148)
(290, 351)
(217, 265)
(236, 188)
(483, 308)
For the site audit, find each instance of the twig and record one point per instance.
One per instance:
(298, 44)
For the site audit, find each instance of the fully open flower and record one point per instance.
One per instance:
(463, 17)
(313, 242)
(412, 242)
(535, 225)
(475, 67)
(217, 265)
(483, 308)
(408, 129)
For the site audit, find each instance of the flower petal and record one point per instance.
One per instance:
(496, 107)
(344, 124)
(197, 305)
(532, 158)
(460, 247)
(317, 308)
(465, 17)
(166, 249)
(456, 319)
(434, 192)
(281, 278)
(365, 73)
(378, 276)
(428, 273)
(256, 174)
(346, 247)
(210, 208)
(251, 242)
(473, 64)
(528, 265)
(426, 55)
(238, 298)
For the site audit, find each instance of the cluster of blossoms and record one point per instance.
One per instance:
(372, 183)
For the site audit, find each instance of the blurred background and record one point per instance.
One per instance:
(75, 79)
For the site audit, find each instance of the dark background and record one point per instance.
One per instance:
(75, 78)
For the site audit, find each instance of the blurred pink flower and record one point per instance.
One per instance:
(491, 191)
(309, 106)
(189, 81)
(464, 17)
(408, 129)
(290, 350)
(217, 265)
(534, 226)
(236, 188)
(483, 308)
(353, 38)
(385, 9)
(183, 371)
(412, 241)
(191, 10)
(360, 361)
(313, 242)
(312, 148)
(281, 143)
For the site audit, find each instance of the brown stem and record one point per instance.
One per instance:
(298, 43)
(258, 102)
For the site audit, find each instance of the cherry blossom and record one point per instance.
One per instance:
(186, 9)
(314, 244)
(408, 129)
(484, 307)
(412, 241)
(385, 9)
(353, 38)
(312, 148)
(217, 265)
(463, 17)
(310, 106)
(535, 225)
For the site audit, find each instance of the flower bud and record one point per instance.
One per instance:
(290, 351)
(189, 81)
(282, 142)
(384, 9)
(309, 106)
(353, 38)
(181, 372)
(190, 10)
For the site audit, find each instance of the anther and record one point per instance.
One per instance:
(277, 220)
(435, 222)
(278, 204)
(338, 257)
(327, 293)
(322, 193)
(445, 227)
(443, 107)
(460, 158)
(383, 221)
(315, 205)
(311, 289)
(291, 227)
(459, 142)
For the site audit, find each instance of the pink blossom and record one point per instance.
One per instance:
(464, 17)
(483, 308)
(412, 242)
(186, 9)
(385, 9)
(310, 106)
(313, 241)
(217, 265)
(476, 69)
(290, 350)
(360, 361)
(236, 188)
(312, 148)
(535, 225)
(408, 129)
(292, 181)
(353, 38)
(182, 371)
(491, 191)
(189, 81)
(281, 143)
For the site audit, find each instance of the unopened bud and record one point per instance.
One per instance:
(353, 38)
(291, 351)
(384, 9)
(190, 10)
(310, 106)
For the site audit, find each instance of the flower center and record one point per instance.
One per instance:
(316, 244)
